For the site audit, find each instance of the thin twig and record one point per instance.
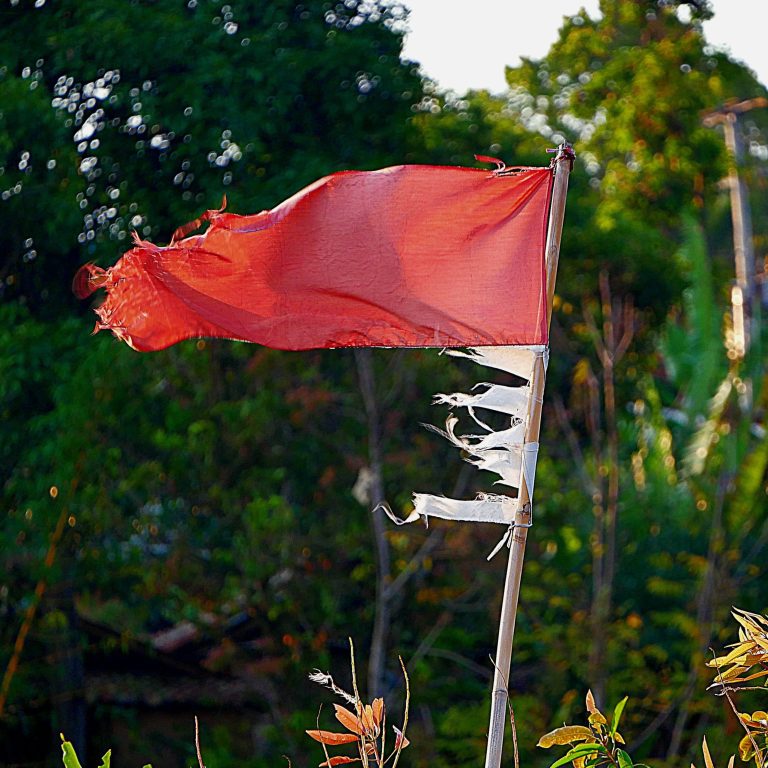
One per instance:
(322, 743)
(383, 736)
(358, 705)
(573, 445)
(40, 587)
(597, 341)
(405, 712)
(726, 692)
(429, 640)
(197, 745)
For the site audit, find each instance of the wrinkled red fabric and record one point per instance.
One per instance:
(409, 256)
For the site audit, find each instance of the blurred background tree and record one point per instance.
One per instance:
(193, 510)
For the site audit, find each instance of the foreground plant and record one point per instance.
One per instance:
(365, 724)
(592, 745)
(745, 663)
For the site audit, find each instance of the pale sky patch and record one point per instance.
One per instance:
(463, 45)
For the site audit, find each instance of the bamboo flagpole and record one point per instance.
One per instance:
(562, 165)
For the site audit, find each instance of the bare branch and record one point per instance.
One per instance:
(405, 713)
(571, 438)
(197, 745)
(628, 329)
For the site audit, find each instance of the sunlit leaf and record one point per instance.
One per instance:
(746, 748)
(565, 735)
(68, 754)
(401, 742)
(597, 718)
(347, 719)
(740, 650)
(365, 714)
(707, 757)
(580, 751)
(617, 712)
(338, 760)
(326, 737)
(590, 701)
(625, 761)
(378, 711)
(106, 759)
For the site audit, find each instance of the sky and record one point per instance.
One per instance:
(464, 49)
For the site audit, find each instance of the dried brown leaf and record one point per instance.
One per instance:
(338, 760)
(378, 711)
(401, 742)
(347, 719)
(590, 700)
(332, 739)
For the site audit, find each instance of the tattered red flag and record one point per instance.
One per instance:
(409, 256)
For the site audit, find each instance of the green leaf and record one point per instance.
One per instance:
(105, 761)
(625, 761)
(582, 750)
(617, 714)
(68, 754)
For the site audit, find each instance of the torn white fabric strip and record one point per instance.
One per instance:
(515, 360)
(498, 452)
(503, 452)
(474, 444)
(485, 509)
(509, 400)
(506, 464)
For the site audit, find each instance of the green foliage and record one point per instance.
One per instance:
(69, 756)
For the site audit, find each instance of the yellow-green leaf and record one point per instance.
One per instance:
(707, 757)
(740, 650)
(597, 718)
(69, 755)
(565, 735)
(617, 712)
(746, 749)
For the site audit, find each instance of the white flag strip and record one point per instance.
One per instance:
(486, 508)
(503, 452)
(515, 360)
(509, 400)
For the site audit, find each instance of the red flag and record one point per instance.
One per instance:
(407, 256)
